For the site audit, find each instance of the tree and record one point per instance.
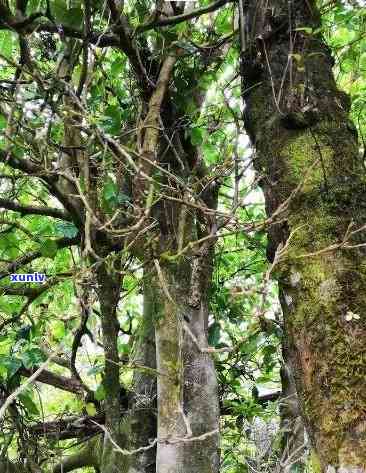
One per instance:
(312, 175)
(145, 197)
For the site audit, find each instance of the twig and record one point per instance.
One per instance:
(122, 450)
(10, 399)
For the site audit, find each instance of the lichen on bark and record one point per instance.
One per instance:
(314, 164)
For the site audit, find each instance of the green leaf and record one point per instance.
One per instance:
(214, 334)
(66, 229)
(58, 329)
(124, 348)
(110, 195)
(249, 347)
(224, 22)
(99, 394)
(210, 152)
(113, 119)
(264, 379)
(28, 403)
(11, 364)
(49, 248)
(6, 43)
(71, 17)
(90, 409)
(117, 67)
(3, 121)
(32, 357)
(197, 135)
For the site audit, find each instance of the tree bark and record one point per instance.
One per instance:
(89, 455)
(109, 286)
(169, 339)
(142, 415)
(307, 155)
(187, 387)
(200, 388)
(293, 442)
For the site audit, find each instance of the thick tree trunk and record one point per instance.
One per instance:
(187, 387)
(142, 416)
(169, 340)
(187, 396)
(201, 390)
(109, 286)
(293, 444)
(307, 152)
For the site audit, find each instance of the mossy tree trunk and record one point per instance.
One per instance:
(187, 387)
(307, 154)
(187, 397)
(109, 287)
(196, 402)
(142, 408)
(200, 381)
(169, 339)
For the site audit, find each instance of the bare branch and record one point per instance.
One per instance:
(68, 427)
(33, 210)
(71, 385)
(10, 399)
(173, 20)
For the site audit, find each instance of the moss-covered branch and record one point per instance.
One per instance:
(89, 455)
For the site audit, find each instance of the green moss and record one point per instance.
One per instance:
(315, 462)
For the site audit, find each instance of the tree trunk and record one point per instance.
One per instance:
(307, 155)
(142, 415)
(201, 390)
(293, 442)
(109, 286)
(187, 387)
(169, 339)
(196, 402)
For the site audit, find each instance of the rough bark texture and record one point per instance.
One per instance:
(187, 386)
(200, 388)
(293, 442)
(89, 455)
(169, 335)
(142, 417)
(195, 390)
(8, 467)
(108, 293)
(304, 140)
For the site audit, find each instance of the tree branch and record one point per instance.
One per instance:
(173, 20)
(31, 256)
(69, 427)
(31, 292)
(70, 385)
(90, 455)
(50, 179)
(34, 210)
